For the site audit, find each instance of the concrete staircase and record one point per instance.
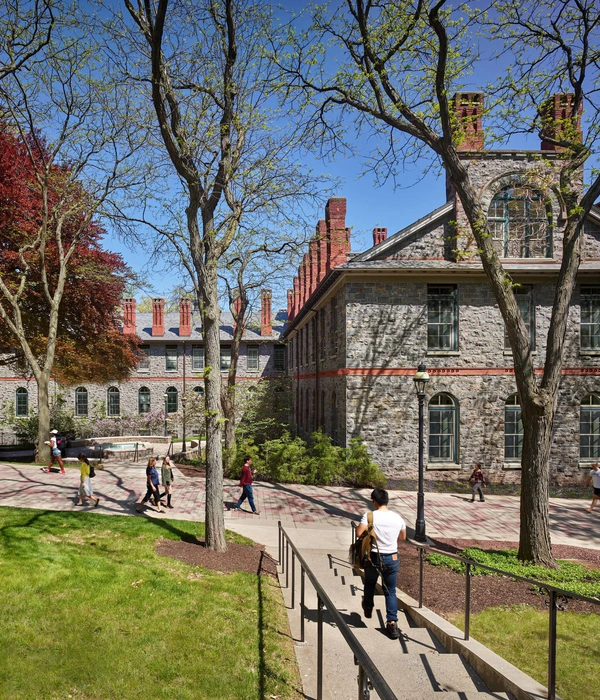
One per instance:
(415, 666)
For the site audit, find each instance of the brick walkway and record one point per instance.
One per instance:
(303, 507)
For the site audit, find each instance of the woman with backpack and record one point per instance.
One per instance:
(166, 474)
(85, 486)
(152, 487)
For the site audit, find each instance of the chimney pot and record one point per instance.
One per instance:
(379, 235)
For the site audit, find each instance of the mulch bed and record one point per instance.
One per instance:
(237, 557)
(190, 470)
(444, 590)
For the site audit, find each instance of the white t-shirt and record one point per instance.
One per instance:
(387, 526)
(595, 474)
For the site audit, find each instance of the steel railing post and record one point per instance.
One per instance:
(319, 648)
(287, 563)
(302, 610)
(293, 580)
(552, 648)
(279, 542)
(467, 601)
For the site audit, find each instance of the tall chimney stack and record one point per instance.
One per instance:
(379, 235)
(185, 318)
(266, 316)
(468, 109)
(129, 316)
(558, 121)
(158, 317)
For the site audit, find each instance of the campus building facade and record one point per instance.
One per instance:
(361, 323)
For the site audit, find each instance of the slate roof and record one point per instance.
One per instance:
(251, 334)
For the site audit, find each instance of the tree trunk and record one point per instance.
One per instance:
(534, 533)
(43, 418)
(229, 414)
(215, 523)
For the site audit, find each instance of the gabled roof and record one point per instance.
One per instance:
(406, 233)
(251, 334)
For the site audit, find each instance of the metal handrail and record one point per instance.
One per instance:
(368, 674)
(553, 591)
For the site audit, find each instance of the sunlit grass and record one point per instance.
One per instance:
(519, 634)
(91, 611)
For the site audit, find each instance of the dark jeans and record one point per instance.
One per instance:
(247, 493)
(388, 565)
(478, 486)
(152, 492)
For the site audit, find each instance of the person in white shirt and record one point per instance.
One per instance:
(389, 530)
(595, 478)
(54, 452)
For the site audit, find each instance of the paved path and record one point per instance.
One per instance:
(308, 508)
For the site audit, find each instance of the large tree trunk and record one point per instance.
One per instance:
(534, 533)
(215, 523)
(43, 418)
(228, 401)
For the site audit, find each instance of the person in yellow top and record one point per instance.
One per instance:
(85, 487)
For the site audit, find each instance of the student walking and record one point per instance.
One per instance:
(166, 476)
(86, 489)
(152, 487)
(55, 455)
(246, 485)
(478, 483)
(389, 530)
(594, 477)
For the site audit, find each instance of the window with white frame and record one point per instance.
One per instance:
(81, 401)
(513, 429)
(21, 402)
(442, 317)
(525, 302)
(197, 358)
(144, 400)
(171, 358)
(589, 331)
(144, 355)
(589, 427)
(520, 223)
(443, 433)
(113, 401)
(252, 358)
(172, 399)
(279, 358)
(225, 357)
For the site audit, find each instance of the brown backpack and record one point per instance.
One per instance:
(360, 551)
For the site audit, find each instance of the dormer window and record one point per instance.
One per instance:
(520, 223)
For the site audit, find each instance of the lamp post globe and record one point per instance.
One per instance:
(420, 379)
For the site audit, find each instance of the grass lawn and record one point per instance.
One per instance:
(520, 635)
(92, 612)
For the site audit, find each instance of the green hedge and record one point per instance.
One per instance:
(290, 459)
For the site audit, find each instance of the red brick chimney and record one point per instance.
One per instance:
(322, 241)
(290, 305)
(313, 255)
(379, 235)
(297, 303)
(559, 121)
(185, 317)
(337, 236)
(305, 278)
(158, 316)
(468, 108)
(129, 316)
(266, 316)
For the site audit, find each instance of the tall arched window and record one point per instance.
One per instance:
(589, 427)
(520, 223)
(513, 428)
(21, 402)
(144, 400)
(443, 433)
(113, 401)
(81, 401)
(199, 391)
(172, 400)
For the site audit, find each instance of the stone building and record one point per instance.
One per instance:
(172, 367)
(361, 323)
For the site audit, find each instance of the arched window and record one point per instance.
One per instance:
(81, 401)
(21, 402)
(513, 428)
(520, 222)
(113, 401)
(199, 391)
(172, 400)
(589, 427)
(443, 433)
(144, 400)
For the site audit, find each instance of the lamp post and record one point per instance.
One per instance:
(183, 402)
(166, 411)
(420, 379)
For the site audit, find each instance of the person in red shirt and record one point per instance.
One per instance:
(246, 484)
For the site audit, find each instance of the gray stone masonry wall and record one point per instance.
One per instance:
(433, 242)
(386, 327)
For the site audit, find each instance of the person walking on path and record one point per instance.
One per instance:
(55, 455)
(86, 489)
(152, 487)
(594, 477)
(246, 484)
(478, 483)
(166, 476)
(389, 530)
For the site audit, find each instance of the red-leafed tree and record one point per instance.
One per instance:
(59, 290)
